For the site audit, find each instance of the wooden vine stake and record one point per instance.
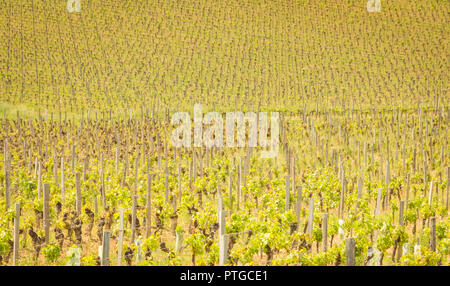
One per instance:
(179, 184)
(238, 196)
(102, 176)
(448, 186)
(78, 193)
(63, 188)
(223, 238)
(387, 182)
(148, 207)
(298, 205)
(230, 190)
(190, 174)
(311, 216)
(55, 168)
(377, 208)
(136, 169)
(120, 242)
(400, 223)
(359, 194)
(46, 214)
(287, 194)
(105, 248)
(133, 218)
(95, 204)
(35, 168)
(72, 167)
(325, 232)
(342, 199)
(430, 193)
(16, 235)
(7, 180)
(194, 170)
(408, 178)
(220, 212)
(178, 242)
(350, 251)
(116, 161)
(166, 184)
(39, 186)
(223, 249)
(433, 234)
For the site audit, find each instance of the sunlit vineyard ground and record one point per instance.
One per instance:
(86, 101)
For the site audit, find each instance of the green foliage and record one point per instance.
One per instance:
(89, 260)
(151, 243)
(51, 252)
(5, 237)
(426, 258)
